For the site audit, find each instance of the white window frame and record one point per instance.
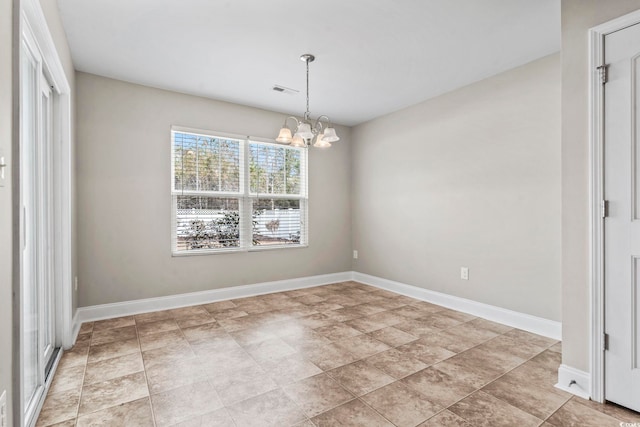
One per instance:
(244, 196)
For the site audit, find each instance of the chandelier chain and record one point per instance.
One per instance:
(307, 114)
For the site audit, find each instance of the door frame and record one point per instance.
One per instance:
(29, 17)
(596, 195)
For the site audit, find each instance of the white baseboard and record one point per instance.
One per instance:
(75, 327)
(128, 308)
(566, 377)
(527, 322)
(515, 319)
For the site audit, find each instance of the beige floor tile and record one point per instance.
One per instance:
(328, 356)
(337, 331)
(446, 419)
(396, 363)
(184, 403)
(273, 408)
(162, 339)
(317, 394)
(188, 312)
(101, 352)
(610, 409)
(219, 306)
(269, 350)
(153, 316)
(438, 387)
(392, 337)
(102, 325)
(218, 344)
(481, 410)
(365, 324)
(476, 376)
(490, 326)
(290, 369)
(150, 328)
(362, 346)
(313, 321)
(228, 314)
(266, 357)
(442, 320)
(218, 418)
(449, 341)
(473, 333)
(166, 355)
(113, 392)
(532, 399)
(324, 306)
(573, 413)
(237, 385)
(425, 352)
(74, 357)
(351, 414)
(113, 368)
(341, 314)
(116, 334)
(401, 405)
(426, 307)
(82, 342)
(68, 378)
(68, 423)
(208, 330)
(136, 413)
(360, 377)
(531, 339)
(87, 327)
(59, 407)
(176, 374)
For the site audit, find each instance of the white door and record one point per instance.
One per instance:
(622, 225)
(38, 340)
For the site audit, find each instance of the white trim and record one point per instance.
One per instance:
(107, 311)
(574, 381)
(596, 175)
(527, 322)
(537, 325)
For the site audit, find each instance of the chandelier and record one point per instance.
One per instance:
(306, 133)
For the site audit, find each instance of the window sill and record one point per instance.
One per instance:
(234, 251)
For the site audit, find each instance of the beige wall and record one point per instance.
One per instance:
(578, 16)
(470, 178)
(124, 197)
(6, 230)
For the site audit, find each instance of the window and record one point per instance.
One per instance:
(236, 194)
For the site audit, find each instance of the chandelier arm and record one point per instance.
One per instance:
(291, 117)
(318, 124)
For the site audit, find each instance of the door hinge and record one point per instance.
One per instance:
(605, 342)
(604, 74)
(604, 208)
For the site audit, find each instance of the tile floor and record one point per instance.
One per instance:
(338, 355)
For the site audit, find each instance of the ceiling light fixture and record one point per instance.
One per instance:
(321, 135)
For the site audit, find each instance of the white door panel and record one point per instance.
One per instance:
(622, 225)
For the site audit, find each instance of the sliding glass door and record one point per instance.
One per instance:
(36, 191)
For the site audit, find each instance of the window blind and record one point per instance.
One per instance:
(233, 194)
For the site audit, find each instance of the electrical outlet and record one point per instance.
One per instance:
(75, 283)
(355, 254)
(3, 410)
(464, 273)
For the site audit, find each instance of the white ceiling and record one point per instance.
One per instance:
(372, 56)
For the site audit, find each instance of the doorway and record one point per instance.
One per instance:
(42, 214)
(615, 353)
